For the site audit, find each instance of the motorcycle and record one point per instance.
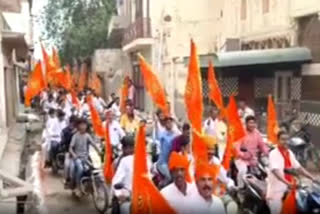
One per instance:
(303, 148)
(251, 198)
(57, 157)
(92, 183)
(307, 196)
(116, 203)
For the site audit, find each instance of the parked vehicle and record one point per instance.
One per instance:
(303, 148)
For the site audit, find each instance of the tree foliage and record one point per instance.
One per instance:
(76, 27)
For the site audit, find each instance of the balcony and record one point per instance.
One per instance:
(117, 26)
(137, 32)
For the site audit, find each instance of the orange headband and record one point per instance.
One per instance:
(179, 161)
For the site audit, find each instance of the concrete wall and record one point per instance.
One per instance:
(302, 8)
(112, 64)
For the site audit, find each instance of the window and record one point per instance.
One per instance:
(243, 9)
(265, 6)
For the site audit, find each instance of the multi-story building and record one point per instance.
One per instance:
(161, 32)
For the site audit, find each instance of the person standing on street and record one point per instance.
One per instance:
(244, 110)
(166, 140)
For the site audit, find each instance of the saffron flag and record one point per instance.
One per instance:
(153, 86)
(95, 118)
(272, 123)
(214, 90)
(193, 91)
(289, 205)
(199, 147)
(95, 84)
(124, 94)
(82, 78)
(235, 131)
(108, 166)
(145, 196)
(75, 100)
(36, 84)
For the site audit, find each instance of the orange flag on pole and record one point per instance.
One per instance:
(124, 94)
(235, 131)
(95, 84)
(153, 86)
(36, 84)
(214, 90)
(199, 147)
(82, 78)
(193, 91)
(145, 196)
(75, 100)
(108, 166)
(95, 118)
(272, 123)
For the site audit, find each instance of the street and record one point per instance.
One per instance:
(52, 193)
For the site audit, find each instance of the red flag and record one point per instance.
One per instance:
(153, 86)
(199, 147)
(95, 118)
(193, 92)
(145, 196)
(108, 166)
(214, 90)
(235, 131)
(272, 123)
(36, 84)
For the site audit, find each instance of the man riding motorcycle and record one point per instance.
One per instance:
(79, 150)
(248, 149)
(281, 158)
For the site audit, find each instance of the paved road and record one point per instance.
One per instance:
(55, 199)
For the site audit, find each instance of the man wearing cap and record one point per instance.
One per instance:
(178, 193)
(166, 139)
(202, 200)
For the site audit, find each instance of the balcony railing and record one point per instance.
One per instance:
(141, 28)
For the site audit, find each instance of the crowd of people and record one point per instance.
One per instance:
(188, 187)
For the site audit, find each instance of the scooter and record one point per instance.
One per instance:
(307, 196)
(303, 148)
(251, 198)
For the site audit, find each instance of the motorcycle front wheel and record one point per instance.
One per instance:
(100, 196)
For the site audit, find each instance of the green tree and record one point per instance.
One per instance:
(76, 27)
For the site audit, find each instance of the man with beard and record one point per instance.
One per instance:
(203, 201)
(178, 193)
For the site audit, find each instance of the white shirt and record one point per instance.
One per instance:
(222, 173)
(124, 175)
(84, 109)
(216, 128)
(52, 130)
(245, 113)
(275, 187)
(49, 105)
(201, 206)
(116, 110)
(115, 131)
(177, 200)
(103, 103)
(97, 104)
